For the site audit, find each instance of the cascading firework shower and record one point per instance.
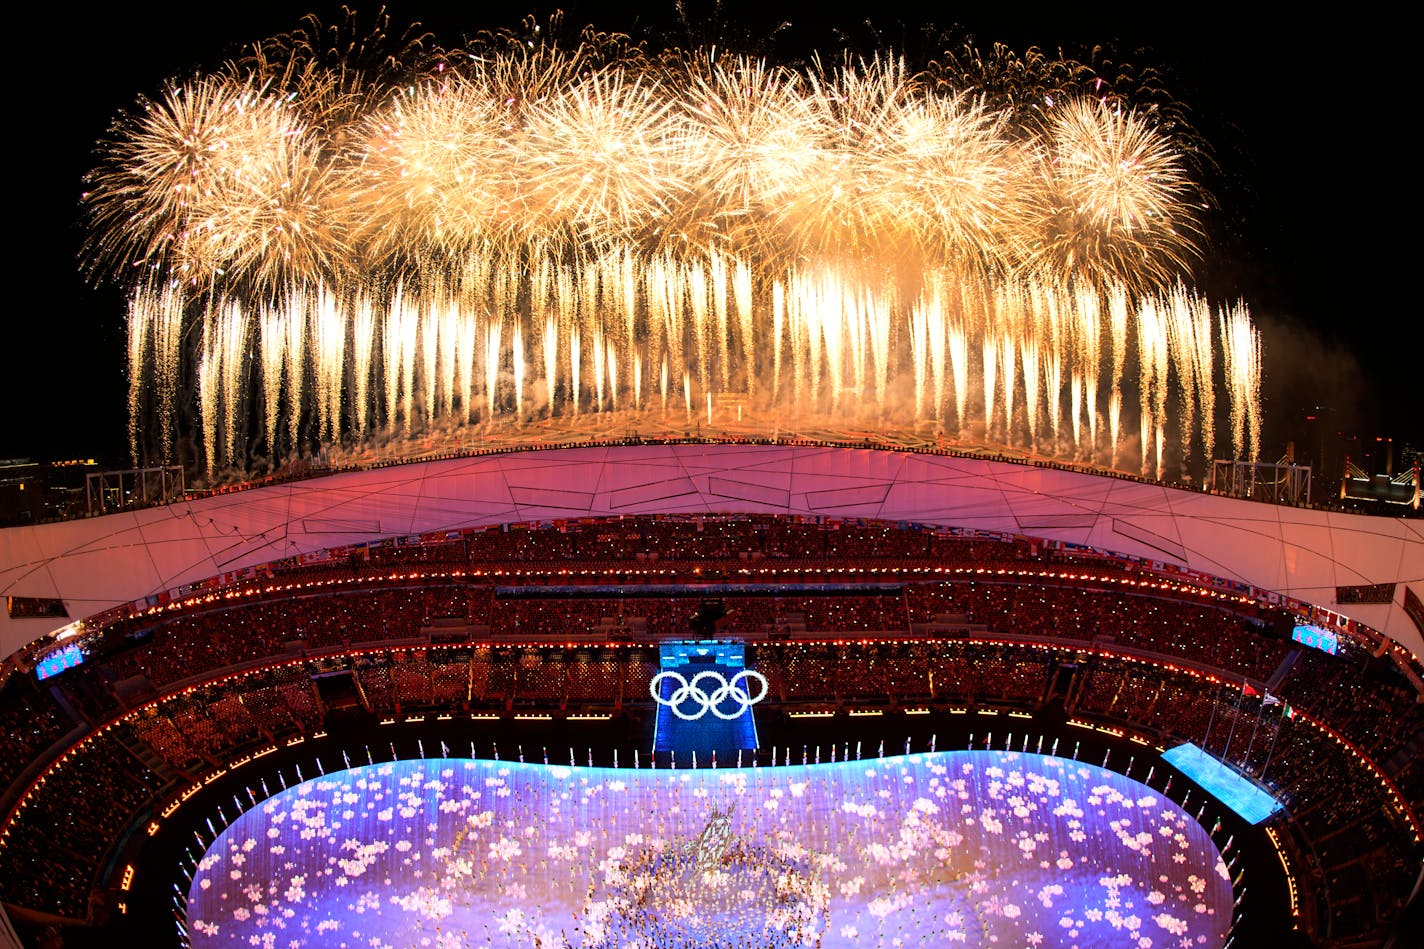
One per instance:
(513, 233)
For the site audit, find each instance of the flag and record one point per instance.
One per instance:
(1246, 690)
(1270, 699)
(1287, 711)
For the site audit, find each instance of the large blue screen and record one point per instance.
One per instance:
(968, 848)
(1250, 802)
(59, 660)
(1317, 637)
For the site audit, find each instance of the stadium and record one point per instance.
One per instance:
(512, 607)
(596, 492)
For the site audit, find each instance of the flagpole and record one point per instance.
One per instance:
(1285, 710)
(1206, 739)
(1246, 756)
(1234, 719)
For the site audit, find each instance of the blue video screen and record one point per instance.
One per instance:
(59, 660)
(1316, 637)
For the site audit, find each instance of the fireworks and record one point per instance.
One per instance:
(520, 231)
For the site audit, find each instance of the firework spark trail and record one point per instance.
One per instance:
(591, 318)
(466, 345)
(1117, 326)
(1051, 324)
(1234, 373)
(143, 315)
(611, 361)
(666, 307)
(1252, 393)
(1008, 358)
(959, 363)
(575, 361)
(600, 354)
(791, 237)
(844, 330)
(272, 337)
(825, 310)
(296, 321)
(717, 266)
(566, 294)
(447, 328)
(235, 352)
(474, 293)
(1161, 364)
(863, 324)
(363, 346)
(1028, 350)
(919, 342)
(808, 313)
(656, 305)
(877, 323)
(746, 319)
(328, 332)
(1181, 331)
(1206, 374)
(494, 329)
(517, 360)
(937, 347)
(637, 379)
(551, 355)
(600, 303)
(697, 289)
(209, 388)
(408, 329)
(628, 286)
(429, 353)
(1149, 328)
(991, 370)
(390, 347)
(778, 334)
(1089, 358)
(167, 358)
(1241, 344)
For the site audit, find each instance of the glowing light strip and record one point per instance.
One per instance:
(1285, 866)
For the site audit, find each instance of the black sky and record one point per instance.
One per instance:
(1305, 117)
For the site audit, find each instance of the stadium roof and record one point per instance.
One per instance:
(1304, 554)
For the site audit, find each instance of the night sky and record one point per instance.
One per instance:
(1304, 119)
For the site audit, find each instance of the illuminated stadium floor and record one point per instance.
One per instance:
(1249, 801)
(957, 848)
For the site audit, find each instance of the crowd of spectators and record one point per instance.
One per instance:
(734, 539)
(1228, 639)
(54, 851)
(30, 723)
(1356, 839)
(188, 646)
(1367, 700)
(485, 678)
(202, 726)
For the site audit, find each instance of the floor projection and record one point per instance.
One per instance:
(966, 848)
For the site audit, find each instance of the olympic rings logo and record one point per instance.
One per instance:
(709, 701)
